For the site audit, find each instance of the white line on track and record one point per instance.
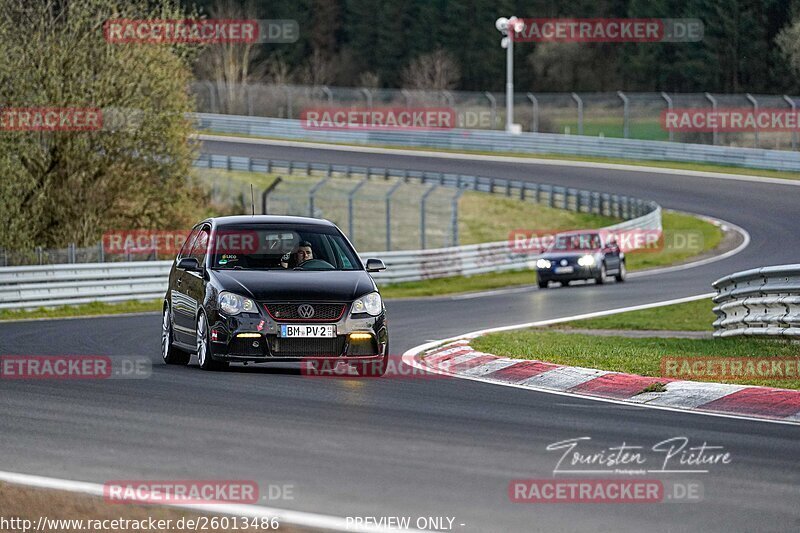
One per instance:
(497, 158)
(299, 518)
(409, 358)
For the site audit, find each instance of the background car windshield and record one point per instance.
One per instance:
(582, 241)
(286, 247)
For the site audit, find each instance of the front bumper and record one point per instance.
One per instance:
(255, 338)
(578, 273)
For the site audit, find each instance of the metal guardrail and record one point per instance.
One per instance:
(760, 301)
(497, 141)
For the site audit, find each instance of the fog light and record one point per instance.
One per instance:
(249, 335)
(360, 336)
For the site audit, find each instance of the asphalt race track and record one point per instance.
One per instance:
(403, 447)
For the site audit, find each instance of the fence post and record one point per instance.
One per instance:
(328, 93)
(493, 101)
(454, 215)
(668, 100)
(579, 101)
(791, 103)
(312, 194)
(753, 101)
(535, 119)
(101, 253)
(423, 201)
(388, 201)
(407, 95)
(366, 92)
(350, 196)
(625, 113)
(715, 135)
(288, 90)
(266, 193)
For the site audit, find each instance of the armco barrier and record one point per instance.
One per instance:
(760, 301)
(498, 141)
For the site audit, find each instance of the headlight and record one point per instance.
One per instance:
(233, 304)
(371, 304)
(543, 263)
(586, 261)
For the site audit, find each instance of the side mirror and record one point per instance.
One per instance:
(375, 265)
(189, 264)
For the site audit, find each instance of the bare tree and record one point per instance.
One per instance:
(234, 65)
(437, 71)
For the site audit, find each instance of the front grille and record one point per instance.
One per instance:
(323, 312)
(306, 347)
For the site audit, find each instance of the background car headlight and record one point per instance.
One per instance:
(543, 263)
(233, 304)
(371, 304)
(586, 261)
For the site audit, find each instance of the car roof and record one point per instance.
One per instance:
(268, 219)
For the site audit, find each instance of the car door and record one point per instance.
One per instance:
(183, 309)
(611, 252)
(193, 285)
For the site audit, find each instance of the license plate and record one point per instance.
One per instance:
(564, 270)
(305, 330)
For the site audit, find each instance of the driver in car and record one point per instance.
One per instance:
(301, 254)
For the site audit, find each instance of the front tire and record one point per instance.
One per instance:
(623, 271)
(204, 349)
(542, 284)
(602, 276)
(170, 354)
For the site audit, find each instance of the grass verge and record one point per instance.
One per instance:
(688, 316)
(94, 308)
(634, 355)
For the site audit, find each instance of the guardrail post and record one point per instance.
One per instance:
(579, 101)
(493, 101)
(388, 201)
(423, 201)
(668, 100)
(791, 103)
(535, 106)
(753, 101)
(101, 253)
(39, 253)
(448, 96)
(454, 216)
(312, 195)
(625, 115)
(350, 197)
(267, 192)
(715, 134)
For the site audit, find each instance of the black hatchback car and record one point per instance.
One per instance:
(273, 289)
(581, 255)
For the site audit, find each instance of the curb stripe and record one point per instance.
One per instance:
(622, 386)
(769, 402)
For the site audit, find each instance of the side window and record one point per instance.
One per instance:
(342, 261)
(200, 247)
(187, 244)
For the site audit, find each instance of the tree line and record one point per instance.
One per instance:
(748, 46)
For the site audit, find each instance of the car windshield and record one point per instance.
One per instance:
(281, 247)
(580, 241)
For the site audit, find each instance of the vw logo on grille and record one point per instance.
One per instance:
(564, 262)
(305, 311)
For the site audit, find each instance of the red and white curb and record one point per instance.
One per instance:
(460, 359)
(455, 357)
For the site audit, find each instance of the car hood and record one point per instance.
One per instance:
(288, 285)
